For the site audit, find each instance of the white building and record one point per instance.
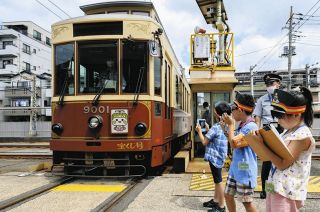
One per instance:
(25, 49)
(24, 46)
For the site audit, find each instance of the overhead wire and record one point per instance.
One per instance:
(60, 9)
(49, 9)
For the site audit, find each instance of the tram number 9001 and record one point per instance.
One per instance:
(94, 109)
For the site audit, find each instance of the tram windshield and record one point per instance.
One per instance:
(134, 71)
(64, 69)
(98, 66)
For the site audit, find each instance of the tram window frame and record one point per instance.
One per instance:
(160, 76)
(57, 91)
(147, 72)
(165, 89)
(112, 90)
(169, 91)
(140, 12)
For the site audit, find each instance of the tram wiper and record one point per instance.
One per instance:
(138, 87)
(65, 84)
(97, 96)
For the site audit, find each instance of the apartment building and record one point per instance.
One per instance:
(25, 50)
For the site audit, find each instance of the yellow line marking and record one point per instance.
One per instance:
(90, 188)
(201, 183)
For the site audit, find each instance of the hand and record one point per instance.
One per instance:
(227, 119)
(257, 136)
(198, 128)
(207, 126)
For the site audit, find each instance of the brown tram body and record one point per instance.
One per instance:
(115, 103)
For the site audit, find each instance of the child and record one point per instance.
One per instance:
(216, 151)
(288, 179)
(242, 178)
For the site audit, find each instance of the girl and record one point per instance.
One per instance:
(288, 179)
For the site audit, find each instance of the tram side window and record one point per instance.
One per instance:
(157, 76)
(134, 67)
(98, 67)
(64, 69)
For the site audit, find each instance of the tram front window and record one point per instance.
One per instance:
(64, 69)
(98, 66)
(135, 68)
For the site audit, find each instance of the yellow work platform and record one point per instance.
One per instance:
(204, 182)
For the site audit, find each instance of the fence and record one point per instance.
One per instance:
(21, 129)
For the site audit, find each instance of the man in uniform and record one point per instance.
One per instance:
(262, 114)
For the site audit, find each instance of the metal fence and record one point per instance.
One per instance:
(21, 129)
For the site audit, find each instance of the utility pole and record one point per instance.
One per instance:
(251, 79)
(33, 114)
(308, 76)
(290, 48)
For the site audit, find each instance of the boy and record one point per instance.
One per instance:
(216, 151)
(242, 177)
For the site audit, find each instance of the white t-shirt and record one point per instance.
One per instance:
(293, 181)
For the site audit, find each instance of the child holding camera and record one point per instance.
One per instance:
(242, 177)
(216, 151)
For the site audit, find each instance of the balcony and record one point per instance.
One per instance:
(20, 112)
(9, 69)
(11, 92)
(8, 51)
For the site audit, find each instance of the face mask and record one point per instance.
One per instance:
(271, 89)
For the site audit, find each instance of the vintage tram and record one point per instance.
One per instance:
(121, 102)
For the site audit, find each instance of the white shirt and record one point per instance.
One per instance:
(293, 181)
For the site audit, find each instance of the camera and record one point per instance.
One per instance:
(202, 123)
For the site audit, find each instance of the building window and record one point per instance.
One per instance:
(135, 67)
(34, 51)
(34, 68)
(26, 48)
(36, 35)
(26, 66)
(48, 41)
(6, 43)
(118, 12)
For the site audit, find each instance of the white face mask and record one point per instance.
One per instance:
(271, 89)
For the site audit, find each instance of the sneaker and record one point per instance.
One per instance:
(263, 195)
(210, 204)
(217, 209)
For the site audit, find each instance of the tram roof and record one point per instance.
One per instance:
(86, 8)
(102, 17)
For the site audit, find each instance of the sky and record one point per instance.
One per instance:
(257, 25)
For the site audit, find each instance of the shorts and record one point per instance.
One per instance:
(244, 192)
(277, 202)
(216, 173)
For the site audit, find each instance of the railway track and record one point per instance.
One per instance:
(24, 197)
(37, 192)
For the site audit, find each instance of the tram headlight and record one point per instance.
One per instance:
(57, 128)
(140, 129)
(94, 122)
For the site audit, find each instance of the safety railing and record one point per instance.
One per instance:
(213, 49)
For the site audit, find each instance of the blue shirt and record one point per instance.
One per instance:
(263, 109)
(245, 155)
(217, 148)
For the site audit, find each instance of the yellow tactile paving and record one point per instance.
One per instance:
(90, 188)
(204, 182)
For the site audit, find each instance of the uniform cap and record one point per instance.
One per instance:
(269, 78)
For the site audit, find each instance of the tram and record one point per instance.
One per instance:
(121, 102)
